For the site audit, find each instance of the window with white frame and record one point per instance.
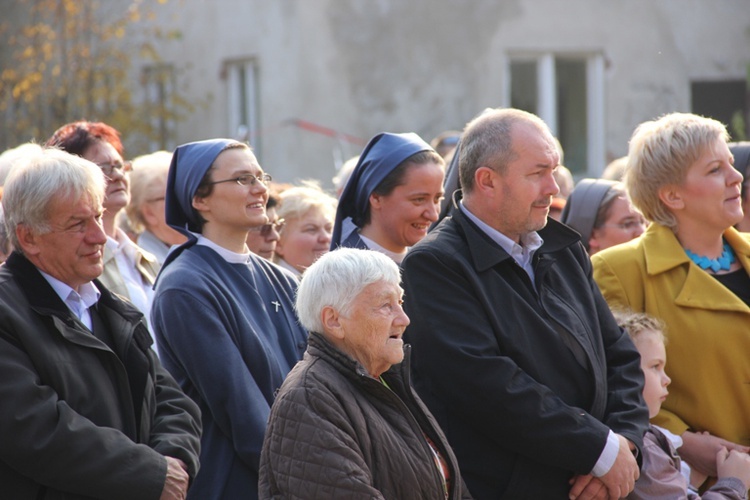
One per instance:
(242, 100)
(567, 92)
(159, 86)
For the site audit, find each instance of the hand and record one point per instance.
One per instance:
(587, 487)
(176, 483)
(734, 464)
(699, 449)
(620, 480)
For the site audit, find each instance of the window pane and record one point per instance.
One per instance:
(725, 101)
(242, 97)
(523, 85)
(159, 86)
(572, 130)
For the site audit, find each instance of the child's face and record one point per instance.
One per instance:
(653, 361)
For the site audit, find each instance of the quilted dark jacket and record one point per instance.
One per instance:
(335, 432)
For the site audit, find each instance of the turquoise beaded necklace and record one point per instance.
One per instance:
(722, 263)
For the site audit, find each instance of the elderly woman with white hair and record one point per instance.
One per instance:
(690, 269)
(346, 422)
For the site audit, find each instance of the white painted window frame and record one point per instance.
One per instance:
(232, 72)
(547, 100)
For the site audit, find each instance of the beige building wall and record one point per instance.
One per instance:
(359, 67)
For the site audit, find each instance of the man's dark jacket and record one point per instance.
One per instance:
(525, 383)
(79, 419)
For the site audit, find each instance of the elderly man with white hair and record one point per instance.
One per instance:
(88, 410)
(347, 423)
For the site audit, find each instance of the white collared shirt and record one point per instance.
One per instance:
(522, 254)
(77, 301)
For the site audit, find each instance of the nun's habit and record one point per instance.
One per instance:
(229, 334)
(380, 157)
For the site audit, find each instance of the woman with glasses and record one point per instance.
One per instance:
(602, 212)
(128, 269)
(690, 269)
(261, 240)
(224, 317)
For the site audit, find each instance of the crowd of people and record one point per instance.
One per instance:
(460, 319)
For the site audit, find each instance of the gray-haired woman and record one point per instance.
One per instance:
(347, 423)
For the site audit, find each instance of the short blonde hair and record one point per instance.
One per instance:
(660, 153)
(147, 169)
(297, 201)
(635, 324)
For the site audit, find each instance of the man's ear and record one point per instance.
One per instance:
(28, 239)
(484, 180)
(672, 197)
(330, 318)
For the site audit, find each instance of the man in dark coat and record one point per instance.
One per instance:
(88, 411)
(514, 350)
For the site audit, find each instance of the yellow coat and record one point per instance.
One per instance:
(708, 328)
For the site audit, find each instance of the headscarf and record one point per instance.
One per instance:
(452, 188)
(190, 162)
(583, 205)
(380, 157)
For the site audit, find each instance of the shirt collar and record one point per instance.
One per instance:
(396, 257)
(531, 242)
(88, 294)
(227, 255)
(122, 243)
(286, 265)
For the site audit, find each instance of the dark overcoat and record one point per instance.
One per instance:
(526, 381)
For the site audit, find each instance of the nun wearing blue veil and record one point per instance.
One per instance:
(392, 197)
(224, 315)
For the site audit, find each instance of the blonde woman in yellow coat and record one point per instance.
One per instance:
(690, 269)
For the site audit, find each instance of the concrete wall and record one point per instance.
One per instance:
(365, 66)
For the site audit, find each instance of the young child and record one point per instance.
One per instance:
(660, 475)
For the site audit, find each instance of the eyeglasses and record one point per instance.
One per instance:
(109, 168)
(246, 179)
(266, 229)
